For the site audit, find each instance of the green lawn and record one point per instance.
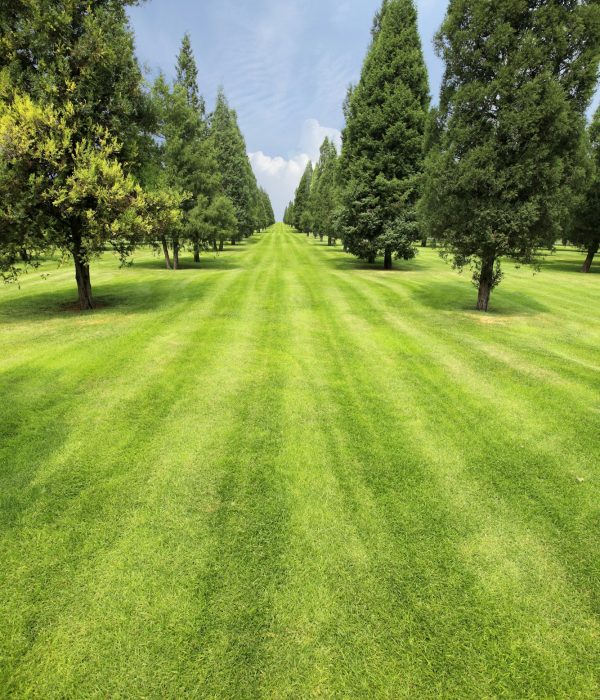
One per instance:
(289, 475)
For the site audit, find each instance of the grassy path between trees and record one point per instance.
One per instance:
(287, 475)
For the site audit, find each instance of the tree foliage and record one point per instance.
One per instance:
(382, 154)
(586, 229)
(519, 76)
(238, 180)
(72, 124)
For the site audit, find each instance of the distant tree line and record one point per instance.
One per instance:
(504, 167)
(92, 159)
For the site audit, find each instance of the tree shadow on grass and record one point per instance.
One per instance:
(569, 264)
(208, 262)
(344, 261)
(461, 297)
(126, 296)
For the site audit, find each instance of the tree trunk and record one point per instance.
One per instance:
(233, 241)
(84, 285)
(221, 245)
(321, 236)
(215, 247)
(165, 248)
(387, 260)
(371, 259)
(308, 235)
(329, 241)
(486, 282)
(424, 243)
(592, 250)
(175, 255)
(196, 252)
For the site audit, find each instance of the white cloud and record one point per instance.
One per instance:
(281, 176)
(313, 135)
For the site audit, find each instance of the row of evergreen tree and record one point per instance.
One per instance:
(92, 158)
(503, 168)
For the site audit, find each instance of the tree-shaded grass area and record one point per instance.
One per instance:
(289, 475)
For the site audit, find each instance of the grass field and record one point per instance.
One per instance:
(287, 475)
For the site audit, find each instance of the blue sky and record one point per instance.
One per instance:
(285, 66)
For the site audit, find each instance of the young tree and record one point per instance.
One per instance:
(519, 76)
(586, 230)
(187, 155)
(71, 123)
(382, 154)
(238, 180)
(187, 76)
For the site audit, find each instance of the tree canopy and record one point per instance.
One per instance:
(382, 154)
(519, 77)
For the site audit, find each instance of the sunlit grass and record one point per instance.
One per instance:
(285, 474)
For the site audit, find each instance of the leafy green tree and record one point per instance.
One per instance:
(586, 230)
(72, 114)
(519, 76)
(382, 154)
(238, 180)
(301, 215)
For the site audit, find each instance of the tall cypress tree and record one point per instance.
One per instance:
(325, 194)
(519, 76)
(586, 231)
(382, 155)
(300, 219)
(238, 180)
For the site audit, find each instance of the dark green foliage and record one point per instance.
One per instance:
(301, 211)
(382, 153)
(187, 76)
(266, 213)
(187, 157)
(586, 230)
(238, 180)
(519, 76)
(288, 217)
(325, 194)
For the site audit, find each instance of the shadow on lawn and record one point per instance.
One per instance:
(207, 262)
(569, 264)
(458, 296)
(126, 296)
(345, 261)
(129, 294)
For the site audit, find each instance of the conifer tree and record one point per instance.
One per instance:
(187, 76)
(325, 197)
(519, 76)
(382, 155)
(238, 180)
(586, 231)
(300, 219)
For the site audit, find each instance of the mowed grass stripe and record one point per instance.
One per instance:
(303, 478)
(106, 490)
(467, 492)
